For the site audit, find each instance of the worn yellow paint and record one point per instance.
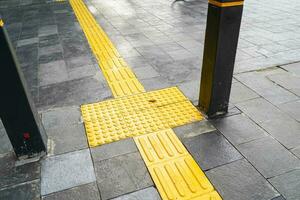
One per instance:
(118, 74)
(174, 171)
(226, 4)
(129, 116)
(1, 23)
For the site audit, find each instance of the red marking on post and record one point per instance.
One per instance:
(26, 136)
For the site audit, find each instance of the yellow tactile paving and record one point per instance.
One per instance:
(134, 115)
(147, 117)
(118, 74)
(174, 171)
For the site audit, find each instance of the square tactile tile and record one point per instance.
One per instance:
(117, 119)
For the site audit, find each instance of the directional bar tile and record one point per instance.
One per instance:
(174, 171)
(118, 74)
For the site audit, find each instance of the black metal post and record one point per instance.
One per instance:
(17, 111)
(221, 39)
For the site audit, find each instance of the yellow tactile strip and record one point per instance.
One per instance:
(118, 74)
(174, 171)
(129, 116)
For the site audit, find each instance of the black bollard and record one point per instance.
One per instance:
(17, 111)
(221, 39)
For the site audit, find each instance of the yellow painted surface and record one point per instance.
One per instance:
(174, 171)
(118, 74)
(129, 116)
(226, 4)
(1, 23)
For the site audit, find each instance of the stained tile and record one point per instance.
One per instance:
(211, 150)
(29, 190)
(11, 175)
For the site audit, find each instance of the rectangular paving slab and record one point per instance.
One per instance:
(29, 190)
(239, 129)
(288, 184)
(87, 192)
(211, 150)
(121, 175)
(239, 180)
(269, 157)
(145, 194)
(66, 171)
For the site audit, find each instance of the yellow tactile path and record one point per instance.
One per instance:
(146, 116)
(118, 74)
(129, 116)
(174, 171)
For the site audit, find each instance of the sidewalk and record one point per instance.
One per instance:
(252, 153)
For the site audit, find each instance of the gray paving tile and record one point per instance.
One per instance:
(288, 184)
(286, 80)
(294, 68)
(259, 110)
(145, 194)
(240, 93)
(60, 117)
(49, 40)
(47, 30)
(296, 151)
(269, 157)
(238, 129)
(258, 82)
(50, 57)
(211, 150)
(66, 171)
(146, 72)
(11, 175)
(27, 41)
(74, 47)
(87, 192)
(114, 149)
(279, 198)
(191, 89)
(29, 190)
(53, 72)
(180, 54)
(79, 61)
(66, 139)
(239, 180)
(286, 131)
(49, 50)
(194, 129)
(155, 83)
(82, 72)
(292, 109)
(121, 175)
(70, 93)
